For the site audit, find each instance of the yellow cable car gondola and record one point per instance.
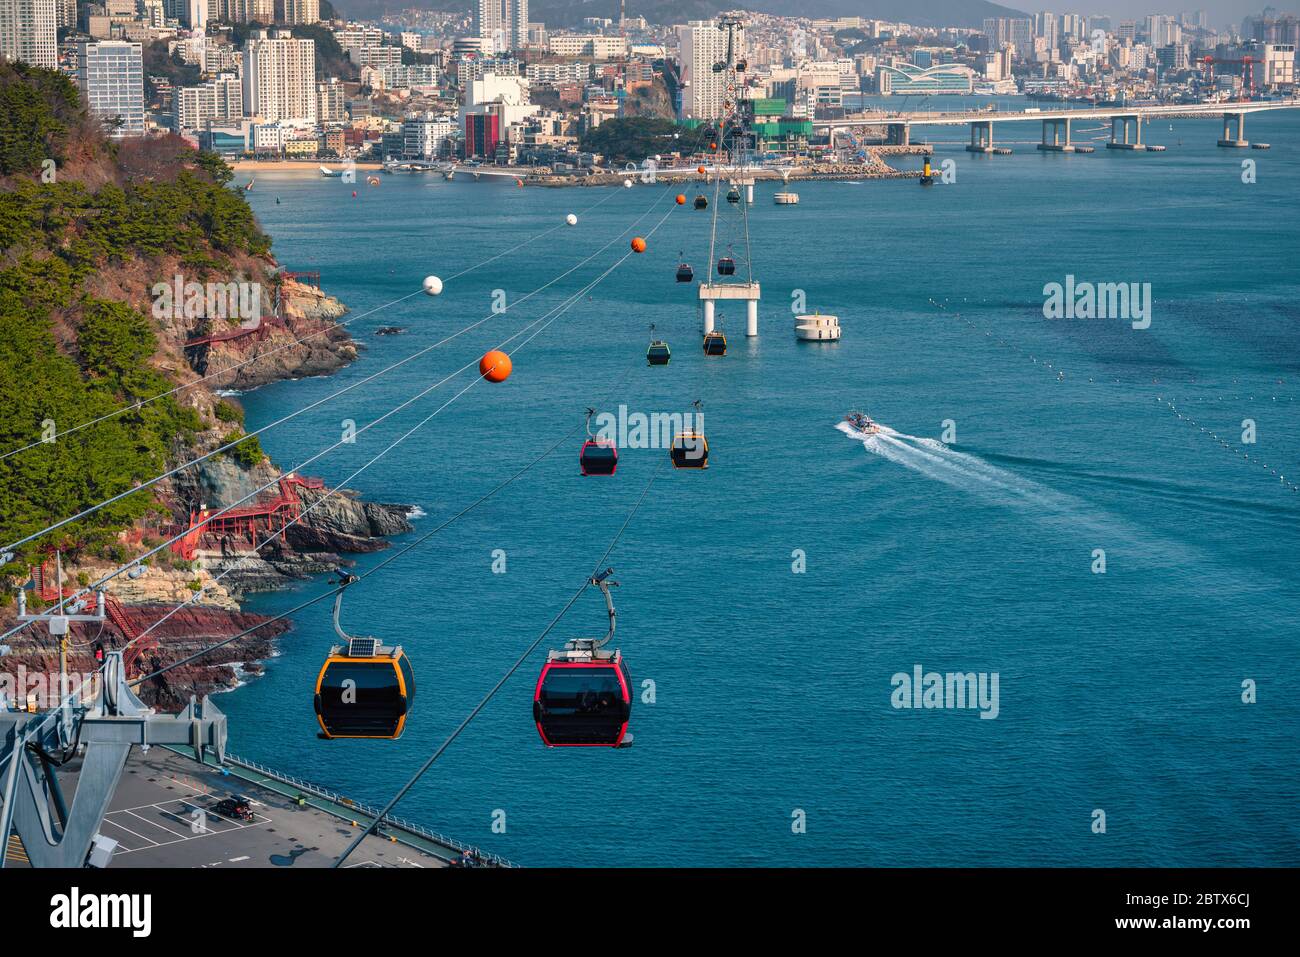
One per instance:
(690, 449)
(715, 343)
(365, 689)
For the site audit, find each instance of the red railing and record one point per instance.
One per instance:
(247, 522)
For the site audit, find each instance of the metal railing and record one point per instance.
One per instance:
(366, 809)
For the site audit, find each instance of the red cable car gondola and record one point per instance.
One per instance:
(583, 696)
(598, 456)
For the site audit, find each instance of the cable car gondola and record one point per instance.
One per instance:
(726, 266)
(584, 693)
(701, 202)
(658, 353)
(690, 449)
(715, 344)
(684, 271)
(733, 195)
(364, 689)
(598, 456)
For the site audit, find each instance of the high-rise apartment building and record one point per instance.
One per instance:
(280, 77)
(242, 11)
(28, 30)
(701, 45)
(110, 74)
(503, 24)
(220, 99)
(295, 12)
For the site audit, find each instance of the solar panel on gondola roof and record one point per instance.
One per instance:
(362, 647)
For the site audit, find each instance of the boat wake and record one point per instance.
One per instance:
(1073, 517)
(970, 473)
(998, 486)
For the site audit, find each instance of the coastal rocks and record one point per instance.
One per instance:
(344, 523)
(192, 629)
(305, 341)
(34, 661)
(330, 523)
(167, 586)
(389, 331)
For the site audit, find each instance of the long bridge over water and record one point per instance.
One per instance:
(1056, 123)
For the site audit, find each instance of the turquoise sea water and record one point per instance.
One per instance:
(1120, 692)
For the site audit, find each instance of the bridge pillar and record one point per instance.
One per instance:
(708, 316)
(981, 137)
(1239, 140)
(1118, 143)
(1055, 144)
(898, 134)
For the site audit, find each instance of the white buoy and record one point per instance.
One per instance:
(627, 183)
(571, 219)
(433, 285)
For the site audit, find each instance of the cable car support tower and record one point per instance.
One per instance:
(729, 241)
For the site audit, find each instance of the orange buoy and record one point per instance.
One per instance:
(700, 170)
(713, 146)
(638, 245)
(681, 199)
(495, 366)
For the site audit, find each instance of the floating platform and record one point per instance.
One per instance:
(817, 328)
(1002, 151)
(1085, 149)
(1156, 149)
(1260, 146)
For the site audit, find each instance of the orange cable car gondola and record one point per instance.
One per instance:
(365, 689)
(690, 449)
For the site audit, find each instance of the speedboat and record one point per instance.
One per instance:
(862, 422)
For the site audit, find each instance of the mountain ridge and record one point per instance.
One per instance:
(568, 13)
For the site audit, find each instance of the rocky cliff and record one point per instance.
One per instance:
(98, 327)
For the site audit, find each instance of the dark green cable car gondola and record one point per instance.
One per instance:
(658, 353)
(701, 202)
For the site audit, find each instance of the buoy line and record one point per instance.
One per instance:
(1160, 399)
(317, 403)
(553, 314)
(141, 403)
(388, 560)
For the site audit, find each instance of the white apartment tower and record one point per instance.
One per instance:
(219, 99)
(700, 45)
(280, 77)
(503, 24)
(110, 74)
(28, 30)
(294, 12)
